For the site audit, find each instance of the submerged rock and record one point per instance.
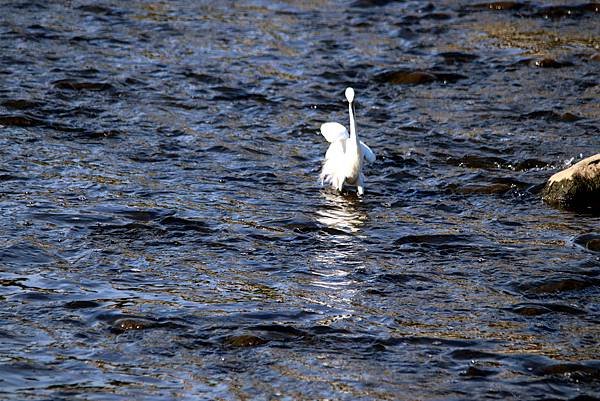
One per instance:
(245, 340)
(416, 77)
(127, 324)
(406, 77)
(591, 242)
(551, 63)
(577, 187)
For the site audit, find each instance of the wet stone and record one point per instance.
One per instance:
(577, 187)
(551, 63)
(81, 304)
(590, 242)
(471, 354)
(20, 104)
(183, 224)
(551, 115)
(570, 117)
(245, 340)
(431, 239)
(103, 134)
(558, 286)
(128, 324)
(458, 57)
(10, 177)
(531, 310)
(564, 11)
(583, 371)
(543, 309)
(20, 121)
(407, 77)
(529, 164)
(378, 347)
(473, 371)
(417, 77)
(82, 86)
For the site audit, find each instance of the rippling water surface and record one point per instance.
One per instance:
(164, 236)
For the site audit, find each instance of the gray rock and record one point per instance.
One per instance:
(577, 187)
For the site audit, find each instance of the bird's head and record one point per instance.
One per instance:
(350, 94)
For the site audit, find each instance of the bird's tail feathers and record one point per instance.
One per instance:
(332, 180)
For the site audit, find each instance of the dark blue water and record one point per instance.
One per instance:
(164, 236)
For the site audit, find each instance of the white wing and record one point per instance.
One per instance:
(367, 152)
(334, 132)
(336, 150)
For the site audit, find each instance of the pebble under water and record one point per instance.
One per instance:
(164, 235)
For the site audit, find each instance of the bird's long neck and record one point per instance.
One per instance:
(353, 135)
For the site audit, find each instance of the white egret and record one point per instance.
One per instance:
(345, 156)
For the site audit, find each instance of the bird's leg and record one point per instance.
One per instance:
(360, 183)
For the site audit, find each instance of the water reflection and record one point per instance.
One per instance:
(341, 212)
(341, 248)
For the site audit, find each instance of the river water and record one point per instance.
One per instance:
(164, 235)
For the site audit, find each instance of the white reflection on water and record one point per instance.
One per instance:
(340, 254)
(342, 213)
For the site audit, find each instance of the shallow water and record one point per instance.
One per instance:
(164, 235)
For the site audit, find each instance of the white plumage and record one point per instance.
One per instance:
(346, 154)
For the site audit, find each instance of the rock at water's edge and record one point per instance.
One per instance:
(577, 187)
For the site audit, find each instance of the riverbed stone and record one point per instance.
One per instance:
(577, 187)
